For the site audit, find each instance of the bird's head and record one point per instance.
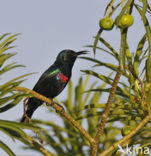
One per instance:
(66, 58)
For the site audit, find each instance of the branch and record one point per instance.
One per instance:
(109, 102)
(124, 139)
(59, 110)
(100, 130)
(142, 89)
(38, 146)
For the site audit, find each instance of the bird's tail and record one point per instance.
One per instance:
(32, 105)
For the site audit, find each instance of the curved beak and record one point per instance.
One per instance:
(82, 52)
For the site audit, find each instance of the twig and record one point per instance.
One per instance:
(58, 109)
(136, 77)
(114, 147)
(109, 102)
(38, 146)
(142, 89)
(106, 112)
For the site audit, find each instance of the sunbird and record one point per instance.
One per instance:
(53, 80)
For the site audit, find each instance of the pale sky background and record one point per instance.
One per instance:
(47, 27)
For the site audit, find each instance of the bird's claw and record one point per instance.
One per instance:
(29, 120)
(62, 109)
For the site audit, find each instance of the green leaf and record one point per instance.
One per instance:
(147, 27)
(15, 101)
(102, 49)
(4, 130)
(110, 48)
(144, 8)
(96, 40)
(9, 67)
(54, 125)
(79, 96)
(7, 40)
(129, 55)
(8, 98)
(4, 57)
(3, 36)
(6, 46)
(85, 82)
(6, 149)
(113, 8)
(119, 91)
(100, 63)
(13, 81)
(138, 54)
(50, 140)
(95, 105)
(14, 131)
(20, 125)
(88, 93)
(89, 115)
(69, 102)
(103, 78)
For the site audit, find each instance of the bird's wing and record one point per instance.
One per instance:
(45, 79)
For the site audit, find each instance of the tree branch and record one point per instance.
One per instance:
(100, 130)
(38, 146)
(109, 102)
(59, 110)
(124, 139)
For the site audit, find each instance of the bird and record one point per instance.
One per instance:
(52, 81)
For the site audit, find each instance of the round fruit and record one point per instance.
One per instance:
(126, 21)
(106, 23)
(126, 130)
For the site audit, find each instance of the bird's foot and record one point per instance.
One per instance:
(61, 107)
(29, 120)
(52, 103)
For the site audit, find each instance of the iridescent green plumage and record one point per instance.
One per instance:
(55, 71)
(53, 80)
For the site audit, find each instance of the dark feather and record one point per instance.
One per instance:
(49, 84)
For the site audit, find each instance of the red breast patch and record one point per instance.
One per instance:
(63, 78)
